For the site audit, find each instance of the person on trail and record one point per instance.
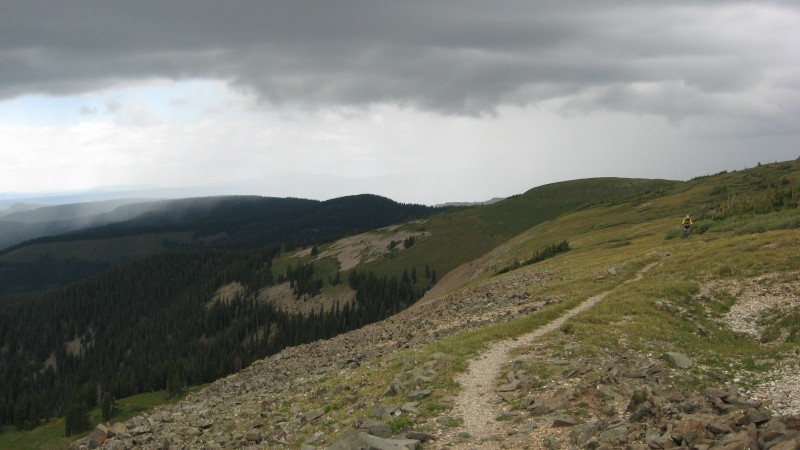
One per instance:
(687, 224)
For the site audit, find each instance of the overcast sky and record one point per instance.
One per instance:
(421, 101)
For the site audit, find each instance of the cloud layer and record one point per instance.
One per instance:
(426, 101)
(730, 62)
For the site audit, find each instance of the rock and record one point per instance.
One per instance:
(678, 360)
(419, 436)
(564, 421)
(383, 412)
(758, 417)
(186, 432)
(712, 392)
(419, 395)
(118, 429)
(738, 440)
(410, 408)
(97, 436)
(642, 411)
(550, 443)
(718, 427)
(785, 445)
(114, 445)
(507, 397)
(583, 432)
(656, 439)
(512, 386)
(316, 437)
(313, 415)
(614, 432)
(743, 403)
(377, 443)
(379, 429)
(692, 428)
(392, 390)
(253, 436)
(519, 438)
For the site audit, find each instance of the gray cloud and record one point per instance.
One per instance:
(674, 59)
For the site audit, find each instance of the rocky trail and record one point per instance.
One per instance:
(475, 404)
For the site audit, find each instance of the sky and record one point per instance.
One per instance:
(420, 101)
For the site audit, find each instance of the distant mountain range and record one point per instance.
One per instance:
(55, 245)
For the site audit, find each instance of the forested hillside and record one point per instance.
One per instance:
(145, 317)
(220, 223)
(152, 325)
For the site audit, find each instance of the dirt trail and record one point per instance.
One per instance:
(476, 404)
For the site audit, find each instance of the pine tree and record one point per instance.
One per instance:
(176, 380)
(21, 412)
(77, 418)
(108, 406)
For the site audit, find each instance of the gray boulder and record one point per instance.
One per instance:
(678, 360)
(358, 440)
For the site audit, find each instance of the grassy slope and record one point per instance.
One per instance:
(461, 235)
(51, 434)
(657, 314)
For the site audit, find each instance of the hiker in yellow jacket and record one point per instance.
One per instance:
(687, 225)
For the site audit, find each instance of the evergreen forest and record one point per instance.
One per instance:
(154, 323)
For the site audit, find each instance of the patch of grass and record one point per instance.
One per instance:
(451, 422)
(506, 417)
(401, 423)
(331, 407)
(779, 324)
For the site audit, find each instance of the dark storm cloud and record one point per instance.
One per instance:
(677, 59)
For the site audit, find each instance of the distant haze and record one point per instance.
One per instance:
(419, 101)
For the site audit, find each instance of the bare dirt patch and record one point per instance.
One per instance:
(227, 293)
(773, 294)
(366, 247)
(783, 390)
(754, 297)
(282, 297)
(73, 347)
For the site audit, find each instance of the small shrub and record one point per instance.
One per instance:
(546, 253)
(331, 407)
